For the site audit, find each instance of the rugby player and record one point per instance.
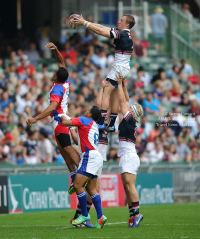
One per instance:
(123, 50)
(90, 165)
(58, 106)
(129, 160)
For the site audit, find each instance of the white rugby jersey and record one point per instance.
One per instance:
(123, 45)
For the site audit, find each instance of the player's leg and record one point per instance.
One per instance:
(128, 165)
(96, 199)
(80, 179)
(105, 103)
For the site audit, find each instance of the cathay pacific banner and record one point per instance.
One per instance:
(28, 193)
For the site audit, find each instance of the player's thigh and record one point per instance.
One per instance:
(108, 90)
(74, 155)
(62, 151)
(128, 178)
(91, 187)
(80, 180)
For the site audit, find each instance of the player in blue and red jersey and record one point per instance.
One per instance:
(58, 106)
(90, 165)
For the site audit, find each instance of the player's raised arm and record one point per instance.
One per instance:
(59, 58)
(65, 122)
(125, 90)
(96, 28)
(121, 96)
(99, 98)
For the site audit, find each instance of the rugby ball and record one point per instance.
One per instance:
(71, 21)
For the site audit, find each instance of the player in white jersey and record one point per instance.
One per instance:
(123, 50)
(129, 160)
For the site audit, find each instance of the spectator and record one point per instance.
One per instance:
(144, 128)
(5, 100)
(142, 78)
(85, 75)
(13, 152)
(183, 150)
(173, 125)
(174, 73)
(30, 152)
(186, 10)
(19, 157)
(155, 132)
(157, 154)
(139, 49)
(186, 69)
(139, 145)
(152, 105)
(159, 23)
(158, 89)
(195, 153)
(173, 155)
(195, 109)
(44, 148)
(33, 54)
(161, 76)
(185, 99)
(176, 91)
(186, 136)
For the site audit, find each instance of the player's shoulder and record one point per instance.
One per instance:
(128, 117)
(86, 121)
(57, 88)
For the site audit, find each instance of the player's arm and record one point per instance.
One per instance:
(49, 110)
(121, 96)
(59, 58)
(99, 98)
(47, 158)
(96, 28)
(125, 90)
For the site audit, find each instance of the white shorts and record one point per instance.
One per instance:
(129, 163)
(102, 148)
(115, 70)
(91, 163)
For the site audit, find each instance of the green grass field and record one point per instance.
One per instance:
(160, 221)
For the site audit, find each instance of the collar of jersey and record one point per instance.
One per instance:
(126, 30)
(60, 83)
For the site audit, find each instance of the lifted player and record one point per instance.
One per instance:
(123, 50)
(58, 100)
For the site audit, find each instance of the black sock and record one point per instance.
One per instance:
(78, 212)
(113, 118)
(89, 206)
(134, 209)
(102, 117)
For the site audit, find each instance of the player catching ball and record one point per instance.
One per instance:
(129, 160)
(123, 50)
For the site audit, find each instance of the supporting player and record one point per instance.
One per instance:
(90, 165)
(123, 50)
(102, 148)
(58, 107)
(129, 160)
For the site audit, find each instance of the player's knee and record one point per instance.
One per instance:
(76, 185)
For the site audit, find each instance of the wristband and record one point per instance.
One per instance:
(73, 127)
(85, 22)
(87, 25)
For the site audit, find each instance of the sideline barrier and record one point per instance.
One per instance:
(152, 189)
(30, 193)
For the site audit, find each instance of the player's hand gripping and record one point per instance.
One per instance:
(31, 121)
(104, 83)
(119, 79)
(51, 46)
(79, 21)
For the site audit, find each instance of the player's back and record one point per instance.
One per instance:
(127, 134)
(88, 133)
(123, 45)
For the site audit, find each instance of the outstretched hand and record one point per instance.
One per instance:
(105, 83)
(31, 121)
(119, 79)
(79, 21)
(51, 46)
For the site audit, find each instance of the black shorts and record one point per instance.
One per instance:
(112, 82)
(64, 140)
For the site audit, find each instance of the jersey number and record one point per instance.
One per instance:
(96, 139)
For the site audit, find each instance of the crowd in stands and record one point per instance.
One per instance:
(26, 80)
